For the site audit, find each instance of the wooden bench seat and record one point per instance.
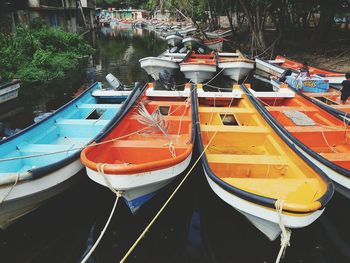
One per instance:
(246, 159)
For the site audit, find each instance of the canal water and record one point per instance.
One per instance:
(196, 226)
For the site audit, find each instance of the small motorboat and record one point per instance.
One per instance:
(148, 148)
(166, 61)
(320, 136)
(253, 168)
(9, 90)
(174, 39)
(41, 161)
(215, 44)
(199, 67)
(191, 42)
(235, 65)
(280, 64)
(219, 33)
(116, 92)
(188, 30)
(313, 83)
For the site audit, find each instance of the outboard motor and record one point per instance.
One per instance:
(286, 73)
(183, 50)
(173, 50)
(167, 80)
(114, 82)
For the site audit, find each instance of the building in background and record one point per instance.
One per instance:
(71, 15)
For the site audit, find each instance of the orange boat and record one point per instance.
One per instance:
(320, 136)
(149, 147)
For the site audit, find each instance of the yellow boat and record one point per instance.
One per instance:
(252, 168)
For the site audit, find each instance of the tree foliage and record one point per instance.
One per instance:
(40, 52)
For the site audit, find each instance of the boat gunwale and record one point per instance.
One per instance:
(115, 169)
(9, 84)
(258, 199)
(47, 169)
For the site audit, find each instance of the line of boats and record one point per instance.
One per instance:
(261, 149)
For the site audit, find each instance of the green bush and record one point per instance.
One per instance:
(40, 53)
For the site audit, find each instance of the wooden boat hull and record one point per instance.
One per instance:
(340, 176)
(217, 34)
(154, 65)
(215, 45)
(140, 187)
(198, 73)
(55, 143)
(174, 40)
(266, 220)
(232, 160)
(142, 175)
(236, 70)
(29, 195)
(9, 91)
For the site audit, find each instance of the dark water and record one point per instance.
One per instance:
(196, 226)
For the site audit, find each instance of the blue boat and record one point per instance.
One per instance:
(42, 160)
(310, 84)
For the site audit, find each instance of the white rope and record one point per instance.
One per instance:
(10, 190)
(100, 168)
(285, 232)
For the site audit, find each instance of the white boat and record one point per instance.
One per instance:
(219, 33)
(190, 42)
(198, 67)
(235, 65)
(187, 31)
(166, 61)
(174, 40)
(9, 91)
(215, 44)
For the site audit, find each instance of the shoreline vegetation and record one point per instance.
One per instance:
(40, 53)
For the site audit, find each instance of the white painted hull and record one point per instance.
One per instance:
(215, 46)
(9, 93)
(236, 70)
(265, 219)
(111, 93)
(198, 73)
(154, 65)
(191, 42)
(269, 68)
(173, 40)
(137, 185)
(216, 35)
(28, 195)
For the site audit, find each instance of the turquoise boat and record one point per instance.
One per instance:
(42, 160)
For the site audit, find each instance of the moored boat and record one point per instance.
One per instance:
(319, 135)
(42, 160)
(9, 90)
(235, 65)
(199, 67)
(219, 33)
(148, 148)
(174, 39)
(253, 169)
(280, 64)
(215, 44)
(191, 42)
(166, 61)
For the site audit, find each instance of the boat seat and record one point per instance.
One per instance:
(339, 129)
(225, 110)
(238, 129)
(99, 106)
(83, 122)
(160, 143)
(301, 190)
(246, 159)
(45, 148)
(295, 108)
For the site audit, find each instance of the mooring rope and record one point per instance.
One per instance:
(142, 235)
(100, 169)
(285, 232)
(10, 190)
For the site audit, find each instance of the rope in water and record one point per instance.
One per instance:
(100, 168)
